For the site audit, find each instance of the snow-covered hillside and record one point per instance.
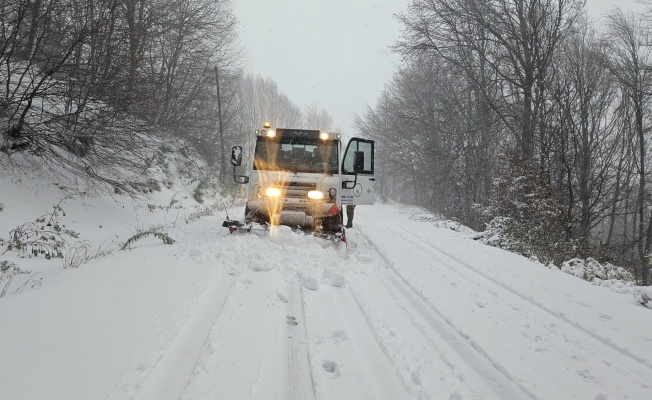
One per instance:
(411, 310)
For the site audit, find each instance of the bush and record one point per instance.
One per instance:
(9, 271)
(82, 252)
(148, 186)
(204, 212)
(529, 239)
(45, 236)
(199, 192)
(208, 186)
(152, 232)
(591, 270)
(527, 215)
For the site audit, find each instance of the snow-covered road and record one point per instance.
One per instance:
(414, 311)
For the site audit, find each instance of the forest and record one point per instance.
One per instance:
(528, 117)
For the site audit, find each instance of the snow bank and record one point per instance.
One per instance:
(51, 220)
(590, 270)
(439, 221)
(494, 235)
(617, 279)
(607, 275)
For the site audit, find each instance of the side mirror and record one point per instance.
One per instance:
(236, 161)
(241, 179)
(236, 156)
(358, 161)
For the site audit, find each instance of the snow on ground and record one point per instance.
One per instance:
(410, 310)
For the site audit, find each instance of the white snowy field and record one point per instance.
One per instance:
(408, 311)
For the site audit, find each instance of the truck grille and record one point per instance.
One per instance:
(299, 189)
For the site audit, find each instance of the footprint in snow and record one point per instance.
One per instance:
(281, 297)
(331, 369)
(456, 396)
(291, 321)
(310, 282)
(338, 336)
(415, 378)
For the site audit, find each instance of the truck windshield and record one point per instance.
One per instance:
(296, 155)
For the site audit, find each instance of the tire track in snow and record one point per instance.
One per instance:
(535, 303)
(373, 355)
(494, 375)
(301, 384)
(174, 369)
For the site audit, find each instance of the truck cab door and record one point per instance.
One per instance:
(358, 182)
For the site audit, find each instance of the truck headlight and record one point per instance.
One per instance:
(315, 195)
(272, 192)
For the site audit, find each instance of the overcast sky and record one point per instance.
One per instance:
(335, 53)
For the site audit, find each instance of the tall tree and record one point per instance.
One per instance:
(630, 57)
(584, 92)
(515, 39)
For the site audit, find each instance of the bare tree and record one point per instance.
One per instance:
(515, 39)
(258, 100)
(584, 93)
(77, 77)
(316, 118)
(630, 60)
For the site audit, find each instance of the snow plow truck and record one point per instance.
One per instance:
(302, 179)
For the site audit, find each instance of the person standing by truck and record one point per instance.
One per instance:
(350, 209)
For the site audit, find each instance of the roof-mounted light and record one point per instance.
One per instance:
(266, 133)
(329, 136)
(266, 125)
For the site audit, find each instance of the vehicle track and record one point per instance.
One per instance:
(528, 299)
(373, 356)
(173, 371)
(301, 384)
(413, 302)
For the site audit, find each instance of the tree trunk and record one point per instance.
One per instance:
(585, 166)
(616, 199)
(526, 124)
(220, 131)
(34, 15)
(641, 185)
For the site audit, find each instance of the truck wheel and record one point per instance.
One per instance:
(332, 224)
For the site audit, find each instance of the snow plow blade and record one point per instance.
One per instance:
(250, 227)
(240, 227)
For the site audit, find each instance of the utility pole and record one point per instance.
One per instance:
(220, 132)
